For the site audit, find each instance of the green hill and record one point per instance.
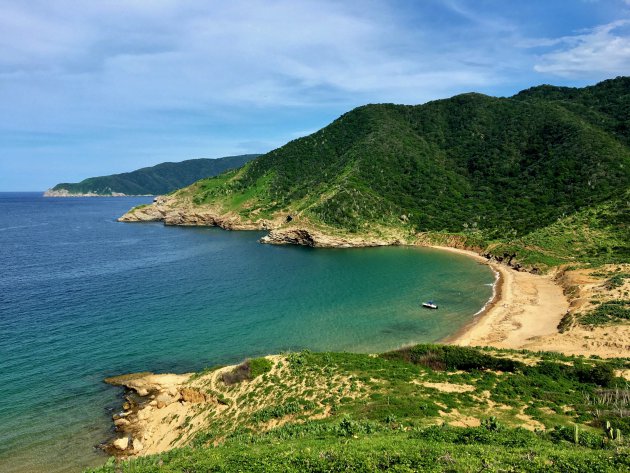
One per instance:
(490, 169)
(160, 179)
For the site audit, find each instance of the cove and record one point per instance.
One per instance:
(84, 297)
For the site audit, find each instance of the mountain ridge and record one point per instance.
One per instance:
(151, 180)
(490, 169)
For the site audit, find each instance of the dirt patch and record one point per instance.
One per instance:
(457, 419)
(447, 387)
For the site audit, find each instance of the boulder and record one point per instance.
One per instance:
(137, 445)
(192, 395)
(121, 443)
(121, 422)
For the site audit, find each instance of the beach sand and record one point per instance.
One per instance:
(525, 308)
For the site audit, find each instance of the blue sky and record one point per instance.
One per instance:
(98, 87)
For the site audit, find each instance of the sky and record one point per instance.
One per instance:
(97, 87)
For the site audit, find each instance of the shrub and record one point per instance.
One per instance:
(608, 312)
(247, 370)
(279, 411)
(600, 374)
(259, 366)
(567, 434)
(446, 357)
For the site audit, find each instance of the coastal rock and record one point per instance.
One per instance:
(121, 422)
(164, 399)
(317, 239)
(174, 212)
(136, 445)
(149, 213)
(192, 395)
(295, 236)
(121, 443)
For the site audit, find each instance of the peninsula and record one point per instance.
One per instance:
(154, 180)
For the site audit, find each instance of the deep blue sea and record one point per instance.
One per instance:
(83, 297)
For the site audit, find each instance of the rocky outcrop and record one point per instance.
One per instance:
(172, 211)
(121, 443)
(147, 394)
(316, 239)
(148, 213)
(193, 395)
(283, 230)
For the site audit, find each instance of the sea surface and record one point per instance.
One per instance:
(83, 297)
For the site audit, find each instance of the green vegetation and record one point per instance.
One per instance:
(423, 408)
(542, 176)
(160, 179)
(248, 370)
(598, 234)
(387, 452)
(614, 311)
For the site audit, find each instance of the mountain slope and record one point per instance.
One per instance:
(499, 167)
(159, 179)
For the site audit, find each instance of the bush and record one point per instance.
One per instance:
(247, 370)
(259, 366)
(600, 374)
(567, 434)
(446, 357)
(279, 411)
(485, 434)
(610, 311)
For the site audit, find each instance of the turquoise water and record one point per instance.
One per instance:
(83, 297)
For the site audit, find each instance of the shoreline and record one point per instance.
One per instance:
(524, 310)
(497, 292)
(523, 313)
(523, 305)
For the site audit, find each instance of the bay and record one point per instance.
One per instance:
(83, 297)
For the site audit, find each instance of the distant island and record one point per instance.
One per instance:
(160, 179)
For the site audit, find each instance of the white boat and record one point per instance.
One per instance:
(429, 305)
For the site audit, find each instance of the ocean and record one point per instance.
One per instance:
(83, 297)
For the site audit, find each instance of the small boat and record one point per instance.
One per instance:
(429, 305)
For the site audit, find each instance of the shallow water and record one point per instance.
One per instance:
(83, 297)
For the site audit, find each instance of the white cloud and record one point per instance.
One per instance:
(113, 80)
(122, 58)
(601, 52)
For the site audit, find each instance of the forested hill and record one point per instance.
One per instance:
(606, 104)
(160, 179)
(487, 169)
(500, 168)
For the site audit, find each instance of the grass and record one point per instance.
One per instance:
(470, 450)
(393, 412)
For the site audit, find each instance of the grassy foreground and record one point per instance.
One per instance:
(424, 408)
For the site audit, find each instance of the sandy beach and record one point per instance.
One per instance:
(525, 307)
